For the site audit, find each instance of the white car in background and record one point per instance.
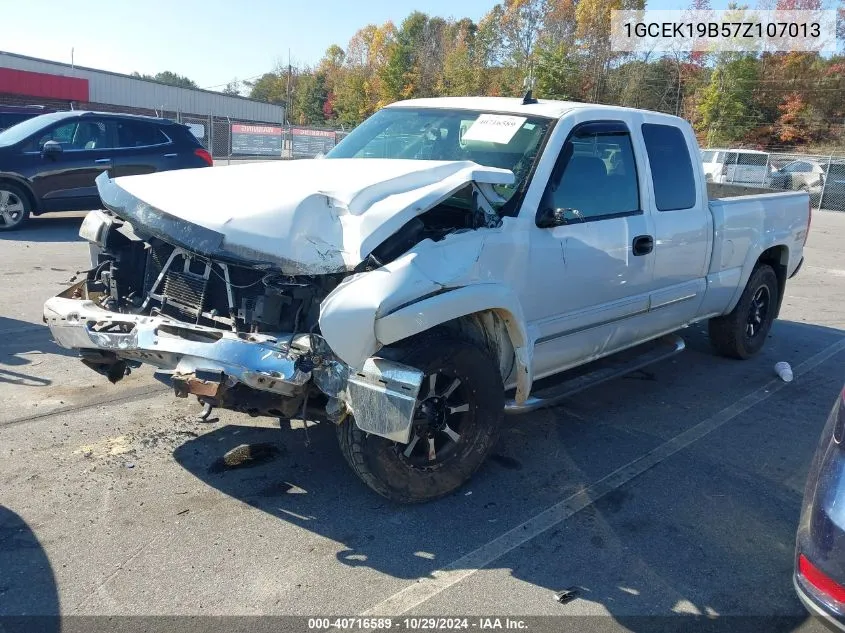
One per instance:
(804, 175)
(736, 166)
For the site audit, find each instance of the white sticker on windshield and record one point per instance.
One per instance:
(494, 128)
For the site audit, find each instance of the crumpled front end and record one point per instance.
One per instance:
(226, 303)
(235, 336)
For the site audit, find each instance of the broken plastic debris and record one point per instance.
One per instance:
(783, 370)
(566, 595)
(246, 455)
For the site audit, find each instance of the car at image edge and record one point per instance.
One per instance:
(50, 162)
(13, 114)
(820, 544)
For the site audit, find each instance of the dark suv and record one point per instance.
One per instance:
(49, 163)
(13, 114)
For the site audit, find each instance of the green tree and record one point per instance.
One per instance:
(650, 85)
(557, 73)
(352, 103)
(270, 87)
(169, 78)
(232, 88)
(727, 111)
(307, 102)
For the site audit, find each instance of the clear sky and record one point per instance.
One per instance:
(210, 41)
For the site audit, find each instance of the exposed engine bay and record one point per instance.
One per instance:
(142, 274)
(144, 287)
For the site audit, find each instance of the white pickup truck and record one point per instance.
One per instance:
(450, 261)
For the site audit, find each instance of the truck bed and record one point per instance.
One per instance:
(716, 191)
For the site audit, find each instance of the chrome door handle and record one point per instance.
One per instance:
(102, 161)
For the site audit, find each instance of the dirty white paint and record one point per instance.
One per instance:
(323, 215)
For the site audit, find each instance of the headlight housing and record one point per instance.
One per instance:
(95, 227)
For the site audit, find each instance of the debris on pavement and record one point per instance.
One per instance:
(566, 595)
(784, 370)
(246, 455)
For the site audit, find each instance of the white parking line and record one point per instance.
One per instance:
(828, 271)
(426, 588)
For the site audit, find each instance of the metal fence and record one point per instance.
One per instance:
(231, 139)
(820, 175)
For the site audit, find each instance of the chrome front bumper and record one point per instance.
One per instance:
(381, 395)
(257, 360)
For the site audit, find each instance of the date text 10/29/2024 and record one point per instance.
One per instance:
(418, 624)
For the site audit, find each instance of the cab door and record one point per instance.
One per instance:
(593, 265)
(65, 180)
(683, 226)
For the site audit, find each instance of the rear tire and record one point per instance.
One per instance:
(459, 413)
(742, 333)
(14, 207)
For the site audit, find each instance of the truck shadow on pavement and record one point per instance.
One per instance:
(29, 598)
(24, 346)
(707, 533)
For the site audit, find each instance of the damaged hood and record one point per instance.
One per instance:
(305, 216)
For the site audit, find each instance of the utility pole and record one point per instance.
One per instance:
(287, 101)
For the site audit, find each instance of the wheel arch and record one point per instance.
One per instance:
(23, 186)
(488, 314)
(776, 256)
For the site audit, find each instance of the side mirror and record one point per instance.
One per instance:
(51, 148)
(549, 218)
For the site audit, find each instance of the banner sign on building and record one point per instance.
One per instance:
(307, 143)
(256, 140)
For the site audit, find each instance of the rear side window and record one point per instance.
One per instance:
(139, 134)
(799, 167)
(671, 168)
(755, 160)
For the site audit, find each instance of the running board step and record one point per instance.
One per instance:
(597, 372)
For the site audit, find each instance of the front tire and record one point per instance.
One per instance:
(742, 333)
(14, 207)
(459, 411)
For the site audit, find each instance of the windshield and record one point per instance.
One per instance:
(493, 140)
(24, 129)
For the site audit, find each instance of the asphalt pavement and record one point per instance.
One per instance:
(666, 500)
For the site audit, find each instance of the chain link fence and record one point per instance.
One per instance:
(232, 140)
(820, 175)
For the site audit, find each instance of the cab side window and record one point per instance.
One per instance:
(596, 174)
(671, 168)
(85, 134)
(62, 134)
(139, 134)
(94, 134)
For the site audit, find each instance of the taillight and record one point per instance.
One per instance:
(725, 169)
(203, 153)
(820, 581)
